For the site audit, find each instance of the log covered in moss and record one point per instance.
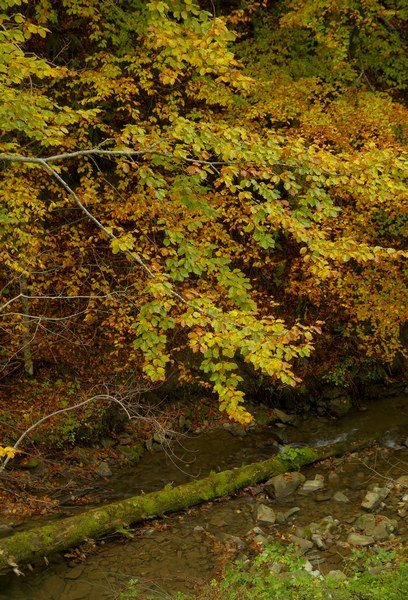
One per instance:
(35, 544)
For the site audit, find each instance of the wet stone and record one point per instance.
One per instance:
(323, 497)
(366, 523)
(79, 591)
(125, 440)
(276, 567)
(56, 587)
(284, 485)
(75, 572)
(257, 531)
(337, 574)
(103, 470)
(380, 527)
(301, 542)
(265, 515)
(280, 518)
(233, 540)
(402, 481)
(325, 526)
(356, 539)
(283, 517)
(304, 532)
(333, 480)
(385, 529)
(340, 405)
(374, 499)
(235, 430)
(283, 417)
(262, 540)
(340, 497)
(312, 485)
(132, 453)
(318, 541)
(292, 511)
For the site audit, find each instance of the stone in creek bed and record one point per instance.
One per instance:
(312, 485)
(333, 480)
(373, 499)
(284, 485)
(379, 527)
(340, 497)
(301, 542)
(356, 539)
(323, 497)
(103, 470)
(75, 573)
(402, 481)
(265, 515)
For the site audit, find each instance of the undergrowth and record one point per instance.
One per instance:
(280, 573)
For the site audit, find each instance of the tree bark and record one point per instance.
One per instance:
(36, 544)
(27, 340)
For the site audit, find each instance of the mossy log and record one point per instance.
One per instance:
(35, 544)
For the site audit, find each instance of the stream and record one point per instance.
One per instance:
(185, 550)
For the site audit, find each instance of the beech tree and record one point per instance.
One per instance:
(167, 192)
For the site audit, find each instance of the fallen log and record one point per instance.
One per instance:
(36, 544)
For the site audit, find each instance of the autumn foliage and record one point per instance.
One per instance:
(185, 192)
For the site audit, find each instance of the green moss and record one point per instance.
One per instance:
(294, 458)
(29, 546)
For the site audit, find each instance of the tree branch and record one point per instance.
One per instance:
(92, 152)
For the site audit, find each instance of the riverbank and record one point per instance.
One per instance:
(174, 554)
(190, 547)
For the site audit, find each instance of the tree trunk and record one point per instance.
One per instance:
(30, 546)
(26, 336)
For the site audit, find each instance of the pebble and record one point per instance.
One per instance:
(356, 539)
(340, 497)
(265, 514)
(284, 485)
(301, 542)
(323, 497)
(372, 501)
(103, 470)
(312, 485)
(337, 574)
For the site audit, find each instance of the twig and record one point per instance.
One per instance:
(58, 412)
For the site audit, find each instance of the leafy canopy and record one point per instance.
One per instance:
(177, 199)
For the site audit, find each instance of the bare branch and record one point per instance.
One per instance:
(63, 297)
(92, 152)
(61, 411)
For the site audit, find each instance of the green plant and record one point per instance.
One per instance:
(361, 559)
(133, 592)
(339, 375)
(231, 212)
(294, 457)
(281, 573)
(262, 579)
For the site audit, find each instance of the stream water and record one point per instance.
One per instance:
(181, 551)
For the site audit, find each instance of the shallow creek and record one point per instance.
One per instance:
(181, 551)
